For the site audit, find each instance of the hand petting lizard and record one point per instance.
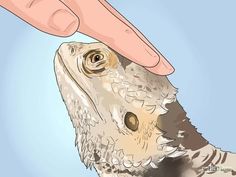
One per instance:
(95, 18)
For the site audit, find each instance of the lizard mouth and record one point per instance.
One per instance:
(59, 63)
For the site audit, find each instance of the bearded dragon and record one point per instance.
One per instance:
(128, 121)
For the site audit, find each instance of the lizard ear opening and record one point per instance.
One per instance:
(131, 121)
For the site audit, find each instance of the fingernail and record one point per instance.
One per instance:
(153, 57)
(63, 21)
(162, 68)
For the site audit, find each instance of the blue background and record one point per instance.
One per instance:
(36, 135)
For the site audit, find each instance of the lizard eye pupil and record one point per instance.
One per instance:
(131, 121)
(96, 58)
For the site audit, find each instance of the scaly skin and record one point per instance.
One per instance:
(128, 121)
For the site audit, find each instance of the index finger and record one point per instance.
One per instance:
(102, 22)
(163, 67)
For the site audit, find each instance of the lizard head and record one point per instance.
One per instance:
(114, 105)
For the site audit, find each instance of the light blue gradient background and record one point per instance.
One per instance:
(36, 135)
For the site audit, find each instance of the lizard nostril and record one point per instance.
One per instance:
(131, 121)
(72, 50)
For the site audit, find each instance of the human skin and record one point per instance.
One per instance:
(95, 18)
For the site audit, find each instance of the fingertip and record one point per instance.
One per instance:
(163, 68)
(152, 57)
(71, 28)
(63, 22)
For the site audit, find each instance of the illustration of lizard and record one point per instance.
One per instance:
(128, 121)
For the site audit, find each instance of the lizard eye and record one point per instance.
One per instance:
(131, 121)
(95, 61)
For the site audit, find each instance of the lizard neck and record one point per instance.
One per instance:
(204, 157)
(177, 126)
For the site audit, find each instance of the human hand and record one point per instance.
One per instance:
(95, 18)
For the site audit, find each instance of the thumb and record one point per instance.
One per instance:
(52, 16)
